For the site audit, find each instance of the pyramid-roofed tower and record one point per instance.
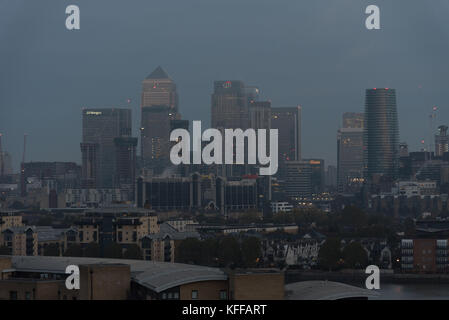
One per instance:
(158, 73)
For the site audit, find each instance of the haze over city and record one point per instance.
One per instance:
(317, 54)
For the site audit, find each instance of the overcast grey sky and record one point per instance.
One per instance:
(315, 53)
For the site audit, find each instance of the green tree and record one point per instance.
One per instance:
(74, 250)
(52, 250)
(92, 250)
(250, 217)
(353, 217)
(283, 218)
(330, 254)
(133, 252)
(113, 250)
(209, 252)
(251, 251)
(355, 256)
(189, 251)
(229, 253)
(308, 216)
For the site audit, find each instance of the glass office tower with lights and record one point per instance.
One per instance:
(381, 134)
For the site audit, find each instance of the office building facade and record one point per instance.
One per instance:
(155, 134)
(441, 141)
(317, 177)
(353, 120)
(381, 134)
(350, 161)
(288, 122)
(100, 129)
(298, 183)
(229, 105)
(159, 105)
(125, 163)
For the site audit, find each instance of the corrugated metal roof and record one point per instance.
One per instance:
(325, 290)
(157, 276)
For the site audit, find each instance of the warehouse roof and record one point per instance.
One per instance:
(157, 276)
(325, 290)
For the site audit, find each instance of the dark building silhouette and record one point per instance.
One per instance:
(317, 178)
(159, 105)
(230, 110)
(353, 120)
(260, 115)
(100, 129)
(125, 162)
(287, 120)
(199, 193)
(179, 124)
(155, 135)
(350, 161)
(89, 153)
(381, 134)
(66, 175)
(441, 141)
(298, 181)
(229, 105)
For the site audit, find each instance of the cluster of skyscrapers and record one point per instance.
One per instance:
(368, 143)
(368, 153)
(109, 158)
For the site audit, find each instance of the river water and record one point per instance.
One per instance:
(413, 292)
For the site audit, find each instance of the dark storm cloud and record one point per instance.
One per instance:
(314, 53)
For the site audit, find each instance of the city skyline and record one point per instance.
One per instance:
(332, 161)
(224, 151)
(325, 69)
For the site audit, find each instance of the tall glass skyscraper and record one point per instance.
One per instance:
(350, 153)
(230, 105)
(159, 106)
(100, 128)
(381, 133)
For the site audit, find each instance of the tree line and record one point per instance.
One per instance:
(225, 251)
